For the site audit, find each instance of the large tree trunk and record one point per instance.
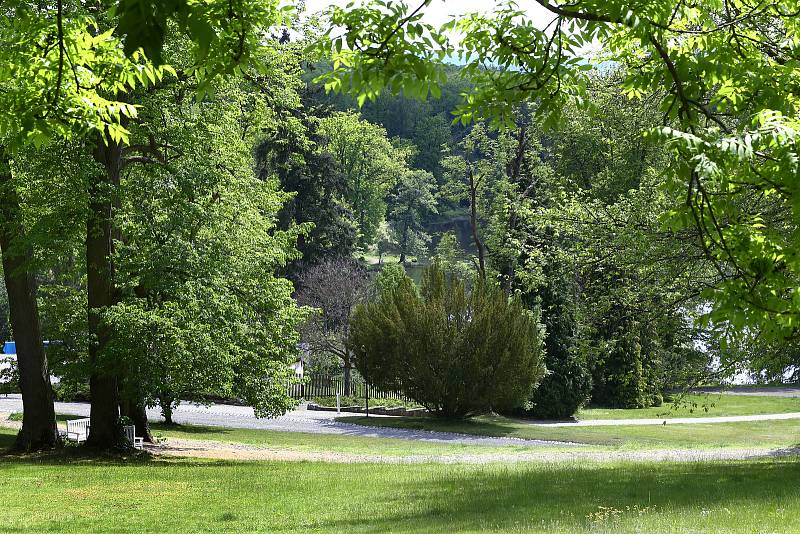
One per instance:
(105, 429)
(136, 411)
(38, 420)
(166, 401)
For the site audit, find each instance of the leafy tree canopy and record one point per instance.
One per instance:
(723, 74)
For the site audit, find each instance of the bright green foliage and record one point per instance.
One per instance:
(723, 75)
(383, 39)
(202, 310)
(390, 278)
(225, 35)
(411, 200)
(70, 61)
(457, 353)
(64, 65)
(371, 165)
(426, 123)
(450, 256)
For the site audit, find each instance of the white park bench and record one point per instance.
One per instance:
(130, 432)
(78, 429)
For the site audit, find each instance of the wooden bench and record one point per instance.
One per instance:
(78, 429)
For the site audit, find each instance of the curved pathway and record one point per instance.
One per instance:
(299, 420)
(234, 451)
(672, 420)
(752, 391)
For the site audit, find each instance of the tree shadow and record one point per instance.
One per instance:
(7, 440)
(579, 497)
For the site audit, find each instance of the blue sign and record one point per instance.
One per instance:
(10, 348)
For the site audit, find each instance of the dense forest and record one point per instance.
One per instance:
(564, 218)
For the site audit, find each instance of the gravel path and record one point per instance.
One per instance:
(675, 420)
(788, 391)
(299, 420)
(228, 451)
(302, 420)
(235, 451)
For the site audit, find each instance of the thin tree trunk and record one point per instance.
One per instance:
(348, 366)
(105, 430)
(473, 221)
(404, 243)
(166, 409)
(38, 420)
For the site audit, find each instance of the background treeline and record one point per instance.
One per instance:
(566, 219)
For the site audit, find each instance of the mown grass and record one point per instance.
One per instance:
(766, 434)
(701, 405)
(77, 496)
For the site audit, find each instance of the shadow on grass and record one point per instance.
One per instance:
(7, 438)
(751, 496)
(587, 497)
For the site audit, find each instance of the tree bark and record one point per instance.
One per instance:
(38, 420)
(105, 429)
(348, 367)
(404, 243)
(166, 409)
(473, 221)
(136, 411)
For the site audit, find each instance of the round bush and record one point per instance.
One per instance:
(455, 352)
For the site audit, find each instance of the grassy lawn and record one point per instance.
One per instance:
(702, 405)
(771, 434)
(213, 496)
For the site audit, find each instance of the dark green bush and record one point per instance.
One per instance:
(455, 352)
(564, 389)
(568, 383)
(656, 400)
(619, 380)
